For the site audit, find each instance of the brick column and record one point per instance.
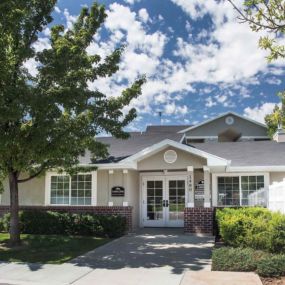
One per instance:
(198, 220)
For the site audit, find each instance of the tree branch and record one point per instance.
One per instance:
(32, 176)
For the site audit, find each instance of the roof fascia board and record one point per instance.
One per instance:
(220, 116)
(269, 168)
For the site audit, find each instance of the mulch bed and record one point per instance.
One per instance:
(273, 281)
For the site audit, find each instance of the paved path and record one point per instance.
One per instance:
(149, 257)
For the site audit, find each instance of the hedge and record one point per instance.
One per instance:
(37, 222)
(248, 259)
(257, 228)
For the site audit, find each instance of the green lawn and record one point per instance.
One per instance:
(54, 249)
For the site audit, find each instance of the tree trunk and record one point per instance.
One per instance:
(14, 210)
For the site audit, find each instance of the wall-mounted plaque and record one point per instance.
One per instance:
(118, 191)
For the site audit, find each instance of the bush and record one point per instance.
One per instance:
(257, 228)
(37, 222)
(235, 259)
(272, 266)
(248, 259)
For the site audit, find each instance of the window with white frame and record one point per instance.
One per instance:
(74, 190)
(249, 185)
(235, 190)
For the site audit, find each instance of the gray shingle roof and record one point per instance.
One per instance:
(120, 149)
(252, 153)
(166, 129)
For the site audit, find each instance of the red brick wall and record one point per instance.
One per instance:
(97, 210)
(198, 220)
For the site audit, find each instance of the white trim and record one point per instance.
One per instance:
(220, 116)
(94, 188)
(147, 152)
(270, 168)
(236, 174)
(207, 205)
(164, 177)
(48, 176)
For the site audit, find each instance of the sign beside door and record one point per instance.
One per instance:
(163, 201)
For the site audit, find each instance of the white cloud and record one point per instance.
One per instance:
(41, 44)
(70, 19)
(224, 58)
(131, 1)
(31, 65)
(172, 108)
(210, 103)
(273, 81)
(57, 10)
(259, 112)
(143, 15)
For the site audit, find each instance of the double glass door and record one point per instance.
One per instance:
(163, 201)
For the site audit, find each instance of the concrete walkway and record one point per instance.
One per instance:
(151, 256)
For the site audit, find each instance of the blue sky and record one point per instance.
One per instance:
(199, 61)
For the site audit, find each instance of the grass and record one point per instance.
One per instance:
(53, 249)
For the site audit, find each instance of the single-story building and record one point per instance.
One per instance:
(168, 176)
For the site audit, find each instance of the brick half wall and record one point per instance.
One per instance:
(198, 220)
(96, 210)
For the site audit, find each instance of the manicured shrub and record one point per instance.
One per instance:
(257, 228)
(235, 259)
(38, 222)
(114, 226)
(272, 266)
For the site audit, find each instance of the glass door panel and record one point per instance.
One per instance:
(176, 197)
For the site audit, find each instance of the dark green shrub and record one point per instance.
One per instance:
(114, 226)
(38, 222)
(257, 228)
(272, 266)
(235, 259)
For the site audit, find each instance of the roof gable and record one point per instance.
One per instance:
(221, 116)
(212, 160)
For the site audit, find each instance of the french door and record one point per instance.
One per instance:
(163, 201)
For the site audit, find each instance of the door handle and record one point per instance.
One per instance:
(165, 203)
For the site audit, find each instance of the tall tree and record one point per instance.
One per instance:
(268, 16)
(49, 120)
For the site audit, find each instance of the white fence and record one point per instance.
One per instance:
(276, 197)
(258, 198)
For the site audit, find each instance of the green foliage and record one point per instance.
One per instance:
(257, 228)
(272, 266)
(49, 120)
(276, 118)
(235, 259)
(248, 259)
(48, 223)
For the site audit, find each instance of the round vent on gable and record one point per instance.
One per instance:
(170, 156)
(230, 120)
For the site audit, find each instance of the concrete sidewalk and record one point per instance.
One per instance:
(151, 257)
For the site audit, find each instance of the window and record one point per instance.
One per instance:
(228, 191)
(235, 190)
(75, 190)
(250, 184)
